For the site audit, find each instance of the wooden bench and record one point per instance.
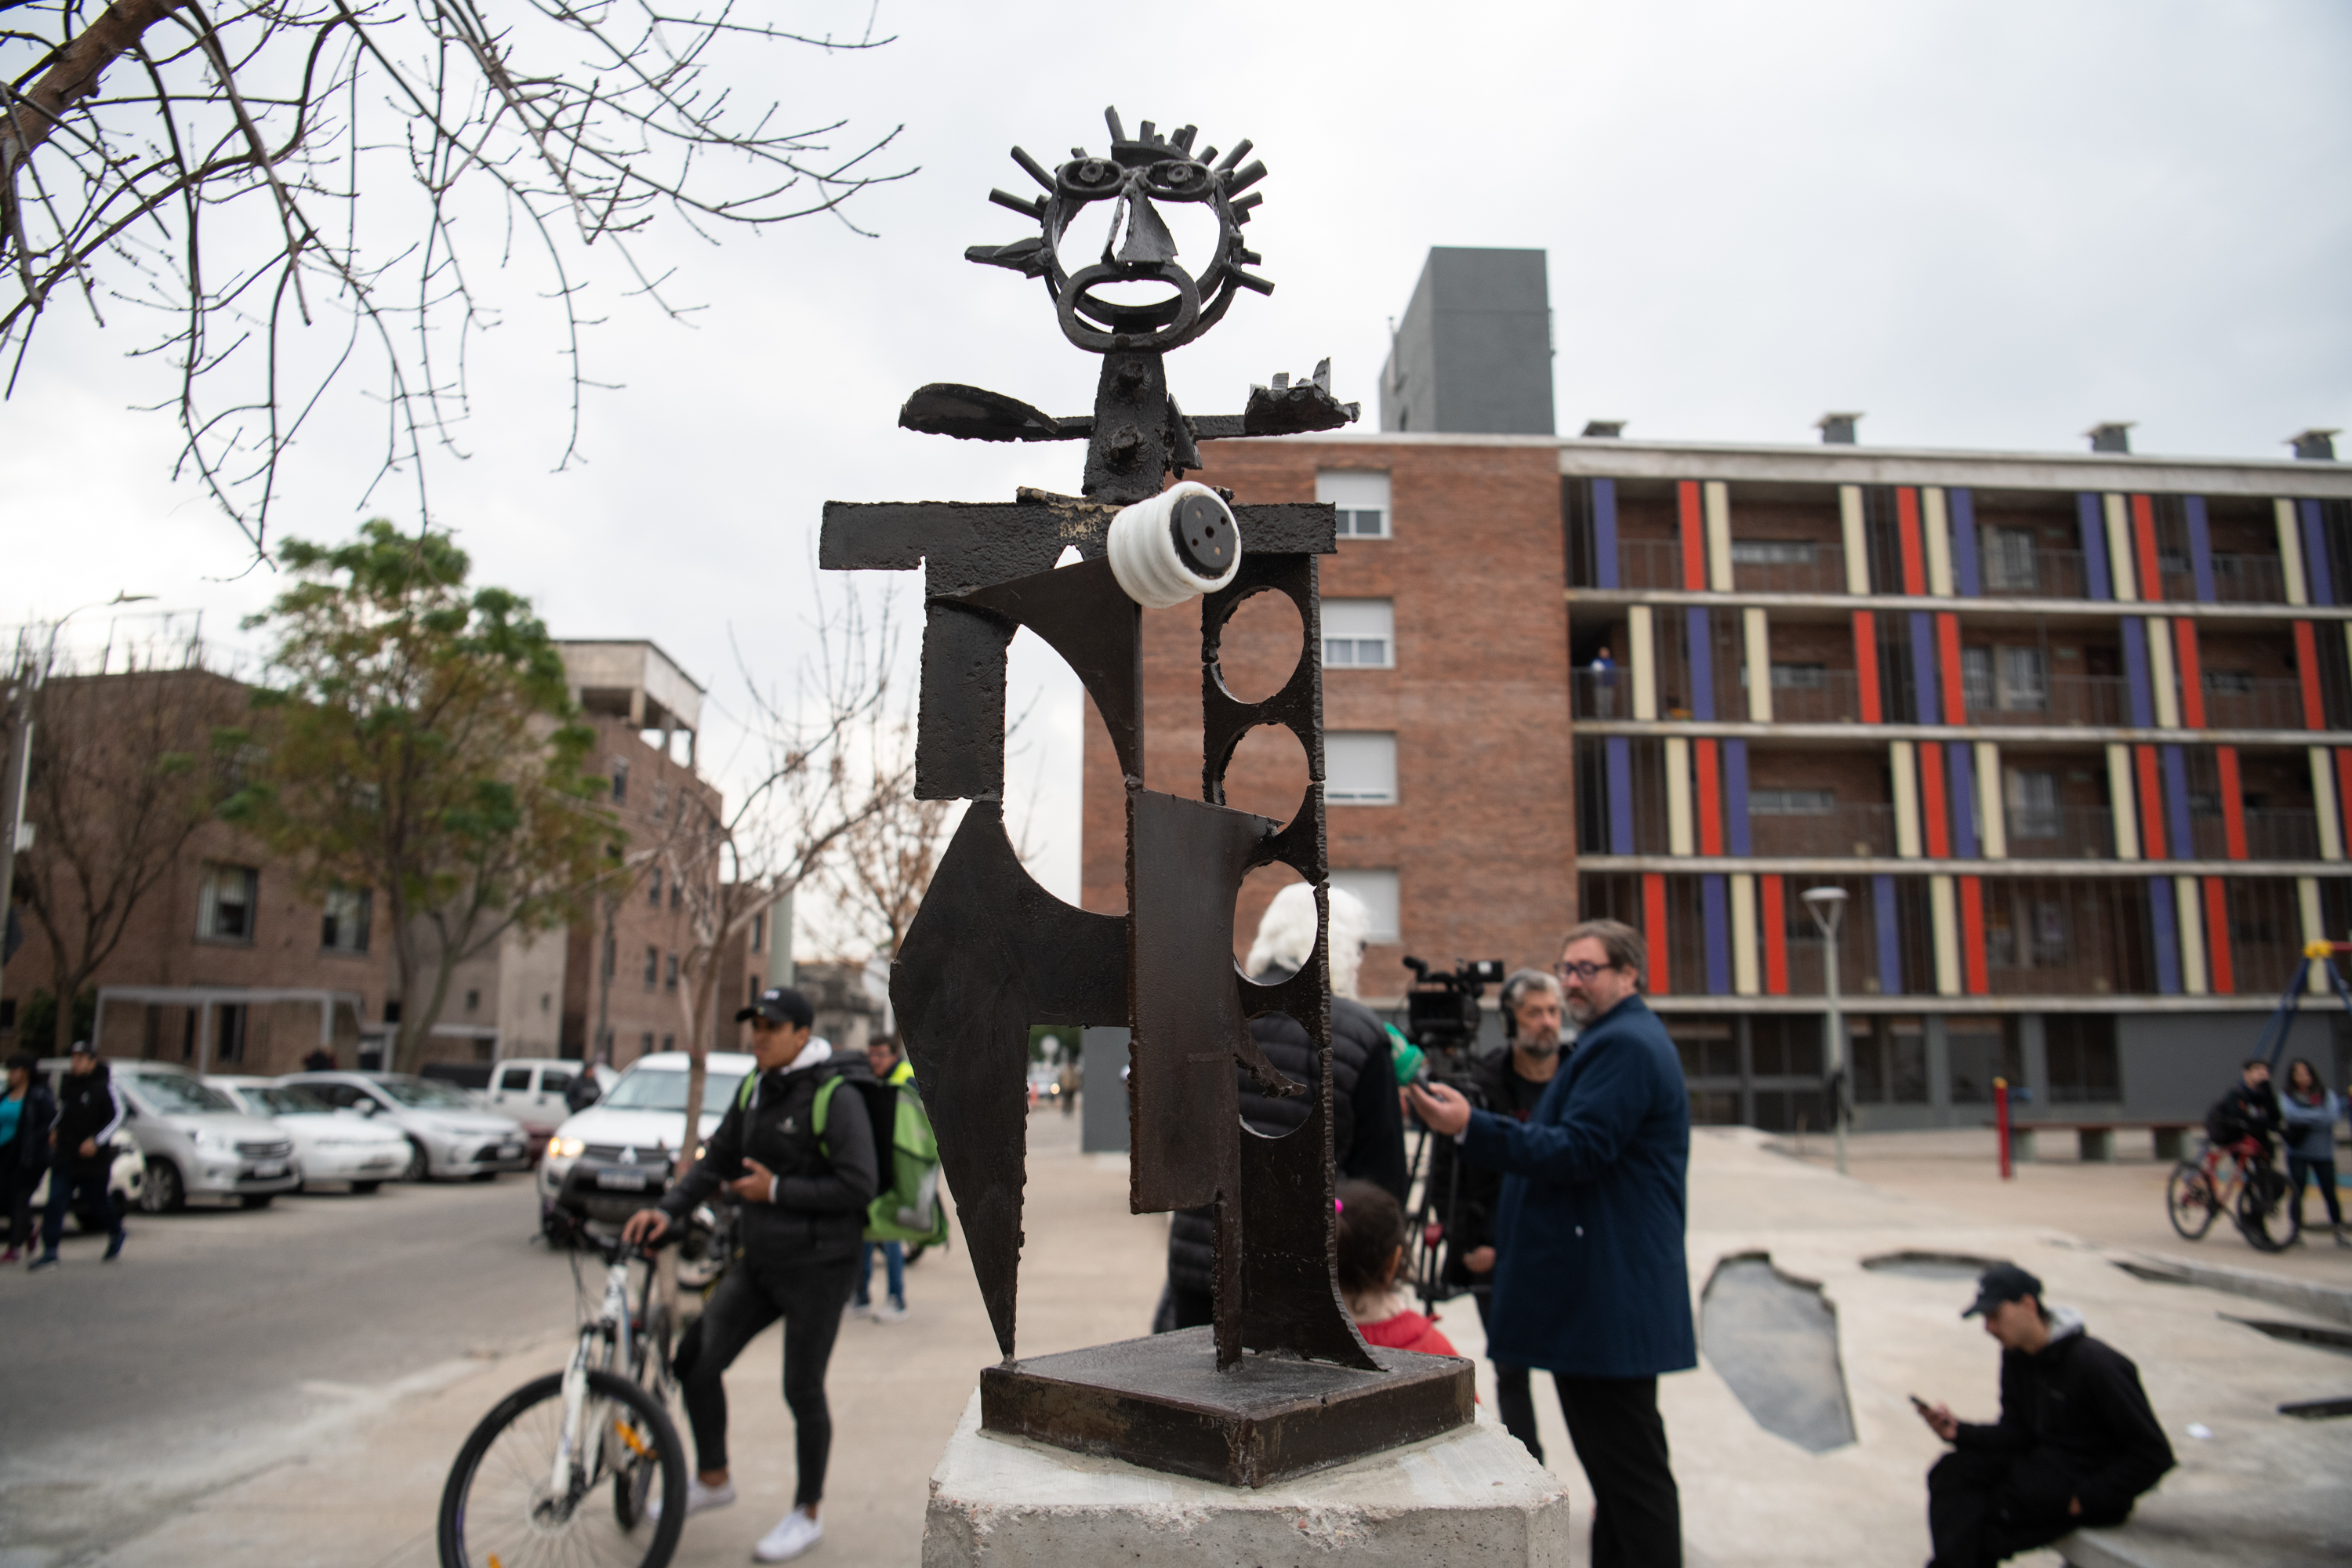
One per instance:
(2095, 1141)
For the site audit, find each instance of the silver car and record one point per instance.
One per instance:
(330, 1145)
(196, 1142)
(448, 1134)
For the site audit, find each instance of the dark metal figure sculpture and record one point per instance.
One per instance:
(990, 953)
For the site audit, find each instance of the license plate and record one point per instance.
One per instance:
(622, 1181)
(380, 1161)
(274, 1168)
(510, 1151)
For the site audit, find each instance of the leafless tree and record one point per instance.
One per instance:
(203, 162)
(882, 866)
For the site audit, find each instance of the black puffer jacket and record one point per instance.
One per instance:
(2078, 1409)
(1367, 1127)
(819, 1212)
(29, 1150)
(90, 1108)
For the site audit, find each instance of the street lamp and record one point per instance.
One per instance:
(1828, 905)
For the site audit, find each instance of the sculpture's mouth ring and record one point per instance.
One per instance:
(1120, 325)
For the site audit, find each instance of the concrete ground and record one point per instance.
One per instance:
(356, 1480)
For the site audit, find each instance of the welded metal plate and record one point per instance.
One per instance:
(1161, 1403)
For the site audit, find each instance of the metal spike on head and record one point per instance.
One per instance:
(1117, 130)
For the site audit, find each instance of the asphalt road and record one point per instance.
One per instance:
(222, 1335)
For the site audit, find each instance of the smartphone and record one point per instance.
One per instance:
(1921, 1406)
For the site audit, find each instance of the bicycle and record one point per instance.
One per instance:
(522, 1488)
(2248, 1188)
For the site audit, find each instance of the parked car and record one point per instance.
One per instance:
(192, 1140)
(448, 1134)
(619, 1153)
(531, 1089)
(330, 1145)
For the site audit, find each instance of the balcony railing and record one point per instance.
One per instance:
(2270, 834)
(2070, 700)
(2066, 833)
(2262, 705)
(1863, 830)
(2237, 580)
(2051, 573)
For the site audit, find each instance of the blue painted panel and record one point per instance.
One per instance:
(1890, 935)
(1702, 665)
(2176, 803)
(1715, 911)
(1735, 794)
(1959, 768)
(2095, 546)
(1965, 560)
(2200, 549)
(2166, 929)
(1621, 795)
(1926, 692)
(2314, 555)
(1604, 532)
(2137, 684)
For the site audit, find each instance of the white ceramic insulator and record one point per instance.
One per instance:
(1142, 549)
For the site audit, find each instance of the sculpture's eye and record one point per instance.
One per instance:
(1090, 179)
(1178, 180)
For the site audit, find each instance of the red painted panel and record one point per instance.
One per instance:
(1653, 929)
(2233, 802)
(2151, 803)
(1972, 936)
(1776, 936)
(2217, 939)
(1935, 813)
(2306, 670)
(1694, 535)
(1710, 797)
(1947, 654)
(1907, 529)
(2192, 674)
(2151, 576)
(1865, 664)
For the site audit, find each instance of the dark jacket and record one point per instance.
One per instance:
(2244, 1112)
(1477, 1190)
(819, 1212)
(1589, 1276)
(2077, 1407)
(30, 1149)
(89, 1106)
(1367, 1127)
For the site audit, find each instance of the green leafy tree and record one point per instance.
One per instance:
(417, 737)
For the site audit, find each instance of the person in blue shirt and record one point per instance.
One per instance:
(1590, 1280)
(2309, 1112)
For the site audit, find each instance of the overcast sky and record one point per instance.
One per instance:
(1983, 223)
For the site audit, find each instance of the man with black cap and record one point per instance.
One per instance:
(804, 1194)
(2075, 1444)
(90, 1108)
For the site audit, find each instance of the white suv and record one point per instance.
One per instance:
(448, 1134)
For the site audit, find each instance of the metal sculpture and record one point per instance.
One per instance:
(990, 953)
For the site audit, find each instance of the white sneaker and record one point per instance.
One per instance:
(857, 1310)
(698, 1498)
(889, 1312)
(793, 1534)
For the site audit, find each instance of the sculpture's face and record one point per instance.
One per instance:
(1138, 248)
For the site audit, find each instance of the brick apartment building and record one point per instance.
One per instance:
(2074, 730)
(228, 966)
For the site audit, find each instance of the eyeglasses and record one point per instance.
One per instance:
(1584, 972)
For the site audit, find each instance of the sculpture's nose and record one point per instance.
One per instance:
(1147, 238)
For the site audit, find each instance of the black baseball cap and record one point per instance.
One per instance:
(781, 1006)
(2003, 1282)
(82, 1049)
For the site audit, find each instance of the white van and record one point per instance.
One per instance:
(532, 1090)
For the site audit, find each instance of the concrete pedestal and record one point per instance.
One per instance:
(1473, 1496)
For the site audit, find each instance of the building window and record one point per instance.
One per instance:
(2009, 561)
(620, 781)
(1796, 676)
(760, 932)
(344, 927)
(1890, 1063)
(653, 887)
(1774, 552)
(2082, 1055)
(1359, 768)
(228, 1048)
(226, 907)
(669, 974)
(646, 1043)
(1976, 679)
(473, 1000)
(1361, 498)
(1359, 634)
(2021, 684)
(653, 967)
(1378, 890)
(2235, 682)
(1791, 802)
(1981, 1050)
(2033, 806)
(676, 892)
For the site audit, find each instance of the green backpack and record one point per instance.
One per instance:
(908, 1209)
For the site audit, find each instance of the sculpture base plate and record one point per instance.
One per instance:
(1161, 1403)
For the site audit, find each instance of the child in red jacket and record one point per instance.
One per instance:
(1371, 1229)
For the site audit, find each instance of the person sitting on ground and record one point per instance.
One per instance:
(2309, 1111)
(2251, 1110)
(2076, 1442)
(1370, 1232)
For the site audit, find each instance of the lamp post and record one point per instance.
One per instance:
(1828, 905)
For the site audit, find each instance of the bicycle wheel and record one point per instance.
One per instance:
(632, 1483)
(502, 1507)
(2189, 1202)
(2258, 1205)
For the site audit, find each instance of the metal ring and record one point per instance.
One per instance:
(1161, 335)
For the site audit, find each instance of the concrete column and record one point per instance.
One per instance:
(2033, 1045)
(1939, 1067)
(1746, 978)
(1944, 922)
(1938, 531)
(1719, 535)
(1857, 551)
(2120, 796)
(2290, 549)
(2314, 926)
(1903, 763)
(2324, 804)
(1757, 631)
(2160, 674)
(1992, 800)
(1642, 650)
(2119, 549)
(2188, 906)
(1679, 837)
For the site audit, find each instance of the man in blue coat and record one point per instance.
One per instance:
(1591, 1283)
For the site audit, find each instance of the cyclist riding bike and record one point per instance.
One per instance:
(2248, 1113)
(803, 1194)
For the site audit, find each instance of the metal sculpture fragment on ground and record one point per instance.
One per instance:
(1283, 1381)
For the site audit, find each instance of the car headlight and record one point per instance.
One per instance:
(565, 1148)
(216, 1143)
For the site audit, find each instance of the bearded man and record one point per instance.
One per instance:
(1591, 1283)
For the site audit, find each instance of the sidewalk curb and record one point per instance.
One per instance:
(2325, 1302)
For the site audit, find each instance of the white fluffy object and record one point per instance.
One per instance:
(1286, 934)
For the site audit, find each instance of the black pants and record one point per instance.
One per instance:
(1983, 1507)
(809, 1297)
(82, 1182)
(17, 1186)
(1515, 1395)
(1621, 1440)
(2297, 1170)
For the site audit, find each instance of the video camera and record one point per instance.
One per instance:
(1441, 1009)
